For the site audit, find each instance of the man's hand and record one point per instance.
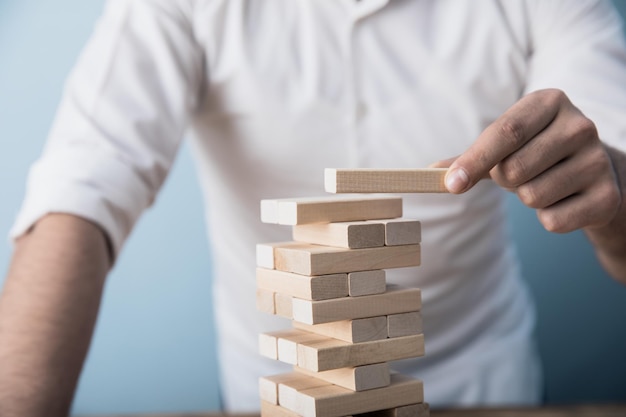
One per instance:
(548, 153)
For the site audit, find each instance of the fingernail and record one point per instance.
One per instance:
(457, 180)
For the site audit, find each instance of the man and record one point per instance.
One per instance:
(275, 91)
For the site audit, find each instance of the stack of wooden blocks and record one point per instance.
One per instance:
(348, 323)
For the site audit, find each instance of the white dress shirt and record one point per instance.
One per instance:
(274, 91)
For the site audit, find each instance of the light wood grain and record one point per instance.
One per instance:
(358, 378)
(367, 282)
(585, 410)
(350, 235)
(307, 259)
(268, 342)
(413, 410)
(353, 331)
(268, 386)
(273, 410)
(332, 353)
(265, 253)
(268, 346)
(367, 180)
(335, 401)
(265, 301)
(395, 300)
(327, 209)
(402, 231)
(288, 390)
(320, 287)
(283, 305)
(288, 341)
(404, 324)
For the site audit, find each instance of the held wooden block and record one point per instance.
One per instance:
(335, 401)
(404, 324)
(332, 353)
(358, 378)
(365, 180)
(351, 235)
(296, 211)
(288, 342)
(321, 287)
(396, 300)
(402, 232)
(307, 259)
(413, 410)
(265, 301)
(353, 331)
(367, 282)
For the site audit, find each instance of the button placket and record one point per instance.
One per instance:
(356, 109)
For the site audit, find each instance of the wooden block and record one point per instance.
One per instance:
(288, 390)
(268, 342)
(368, 180)
(395, 300)
(265, 301)
(402, 232)
(358, 378)
(272, 410)
(283, 305)
(321, 287)
(353, 331)
(307, 259)
(265, 253)
(268, 346)
(404, 324)
(367, 282)
(327, 209)
(332, 353)
(288, 342)
(268, 386)
(413, 410)
(351, 235)
(335, 401)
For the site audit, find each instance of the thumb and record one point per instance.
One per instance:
(446, 163)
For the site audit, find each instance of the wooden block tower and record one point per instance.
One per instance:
(348, 323)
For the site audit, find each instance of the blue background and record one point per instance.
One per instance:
(153, 349)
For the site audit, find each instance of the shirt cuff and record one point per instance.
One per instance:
(96, 186)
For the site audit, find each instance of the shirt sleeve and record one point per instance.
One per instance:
(579, 47)
(124, 111)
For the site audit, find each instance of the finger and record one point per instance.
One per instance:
(568, 134)
(444, 163)
(592, 208)
(559, 182)
(508, 133)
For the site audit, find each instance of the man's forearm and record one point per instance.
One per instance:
(48, 309)
(610, 240)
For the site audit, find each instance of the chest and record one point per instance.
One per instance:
(364, 71)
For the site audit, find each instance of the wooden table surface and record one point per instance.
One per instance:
(569, 411)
